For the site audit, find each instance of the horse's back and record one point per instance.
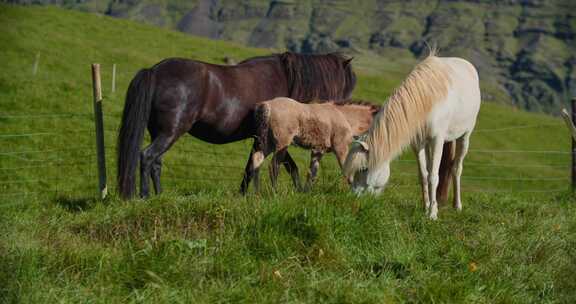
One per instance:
(310, 126)
(213, 101)
(458, 113)
(283, 114)
(466, 85)
(284, 106)
(464, 76)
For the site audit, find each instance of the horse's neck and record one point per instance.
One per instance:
(359, 117)
(394, 129)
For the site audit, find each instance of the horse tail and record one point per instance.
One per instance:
(445, 172)
(262, 120)
(135, 117)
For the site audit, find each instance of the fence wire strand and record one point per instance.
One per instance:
(53, 115)
(112, 131)
(516, 128)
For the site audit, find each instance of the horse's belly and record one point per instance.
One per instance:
(218, 135)
(310, 144)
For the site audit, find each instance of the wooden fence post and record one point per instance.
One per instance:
(36, 62)
(113, 78)
(573, 106)
(99, 126)
(569, 119)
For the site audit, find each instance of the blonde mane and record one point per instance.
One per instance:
(402, 120)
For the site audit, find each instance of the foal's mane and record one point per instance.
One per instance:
(402, 119)
(360, 102)
(318, 77)
(349, 101)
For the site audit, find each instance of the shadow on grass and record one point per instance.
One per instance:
(399, 270)
(76, 204)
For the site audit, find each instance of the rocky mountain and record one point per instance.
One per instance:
(526, 49)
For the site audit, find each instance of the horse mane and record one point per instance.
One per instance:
(345, 102)
(374, 107)
(255, 58)
(318, 77)
(402, 120)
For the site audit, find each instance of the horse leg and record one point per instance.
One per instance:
(251, 171)
(148, 157)
(291, 167)
(248, 172)
(436, 146)
(462, 144)
(155, 172)
(315, 157)
(156, 167)
(423, 172)
(274, 167)
(341, 152)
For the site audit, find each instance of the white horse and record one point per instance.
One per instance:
(438, 102)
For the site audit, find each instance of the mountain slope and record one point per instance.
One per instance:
(523, 48)
(68, 45)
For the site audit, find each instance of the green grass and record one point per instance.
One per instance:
(515, 242)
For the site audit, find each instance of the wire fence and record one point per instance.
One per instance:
(56, 170)
(44, 162)
(62, 159)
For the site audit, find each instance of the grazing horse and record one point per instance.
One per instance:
(438, 102)
(320, 127)
(214, 103)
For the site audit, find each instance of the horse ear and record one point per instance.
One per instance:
(347, 62)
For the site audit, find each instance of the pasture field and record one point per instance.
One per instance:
(514, 242)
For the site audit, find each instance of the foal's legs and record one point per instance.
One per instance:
(252, 169)
(274, 166)
(436, 145)
(462, 144)
(248, 173)
(341, 152)
(291, 167)
(282, 156)
(315, 157)
(423, 170)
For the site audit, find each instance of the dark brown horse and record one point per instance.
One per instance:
(215, 103)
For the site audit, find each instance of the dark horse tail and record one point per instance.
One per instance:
(134, 120)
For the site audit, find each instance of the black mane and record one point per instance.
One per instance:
(318, 77)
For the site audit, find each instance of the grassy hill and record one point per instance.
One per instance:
(201, 242)
(523, 48)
